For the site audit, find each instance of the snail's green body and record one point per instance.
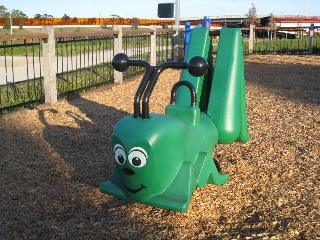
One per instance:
(162, 158)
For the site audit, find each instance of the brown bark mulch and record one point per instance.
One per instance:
(53, 158)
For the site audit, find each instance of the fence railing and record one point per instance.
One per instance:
(83, 62)
(272, 40)
(21, 79)
(286, 45)
(39, 68)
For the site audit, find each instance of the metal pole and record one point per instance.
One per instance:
(10, 22)
(177, 22)
(176, 35)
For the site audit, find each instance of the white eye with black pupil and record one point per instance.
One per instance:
(119, 154)
(137, 157)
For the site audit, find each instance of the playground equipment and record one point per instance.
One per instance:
(162, 158)
(187, 30)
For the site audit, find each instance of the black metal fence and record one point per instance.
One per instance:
(136, 46)
(165, 46)
(21, 81)
(282, 46)
(84, 62)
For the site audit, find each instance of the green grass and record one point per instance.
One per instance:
(135, 41)
(82, 80)
(20, 95)
(21, 48)
(69, 46)
(277, 45)
(34, 47)
(30, 93)
(82, 45)
(281, 45)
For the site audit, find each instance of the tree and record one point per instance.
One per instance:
(7, 23)
(298, 19)
(37, 16)
(252, 17)
(3, 11)
(21, 23)
(135, 23)
(114, 16)
(165, 26)
(271, 23)
(66, 17)
(5, 14)
(18, 14)
(104, 24)
(44, 16)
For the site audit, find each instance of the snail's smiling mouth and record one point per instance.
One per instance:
(134, 190)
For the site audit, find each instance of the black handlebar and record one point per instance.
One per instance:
(197, 66)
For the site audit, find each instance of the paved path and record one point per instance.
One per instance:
(28, 68)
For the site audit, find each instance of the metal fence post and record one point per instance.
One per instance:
(176, 43)
(311, 32)
(49, 66)
(117, 48)
(251, 37)
(153, 46)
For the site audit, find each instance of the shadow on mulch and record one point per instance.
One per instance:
(296, 81)
(49, 188)
(86, 149)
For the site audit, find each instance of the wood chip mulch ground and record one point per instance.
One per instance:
(53, 158)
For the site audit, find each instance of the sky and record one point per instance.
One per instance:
(148, 8)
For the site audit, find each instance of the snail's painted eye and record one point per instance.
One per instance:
(119, 154)
(138, 157)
